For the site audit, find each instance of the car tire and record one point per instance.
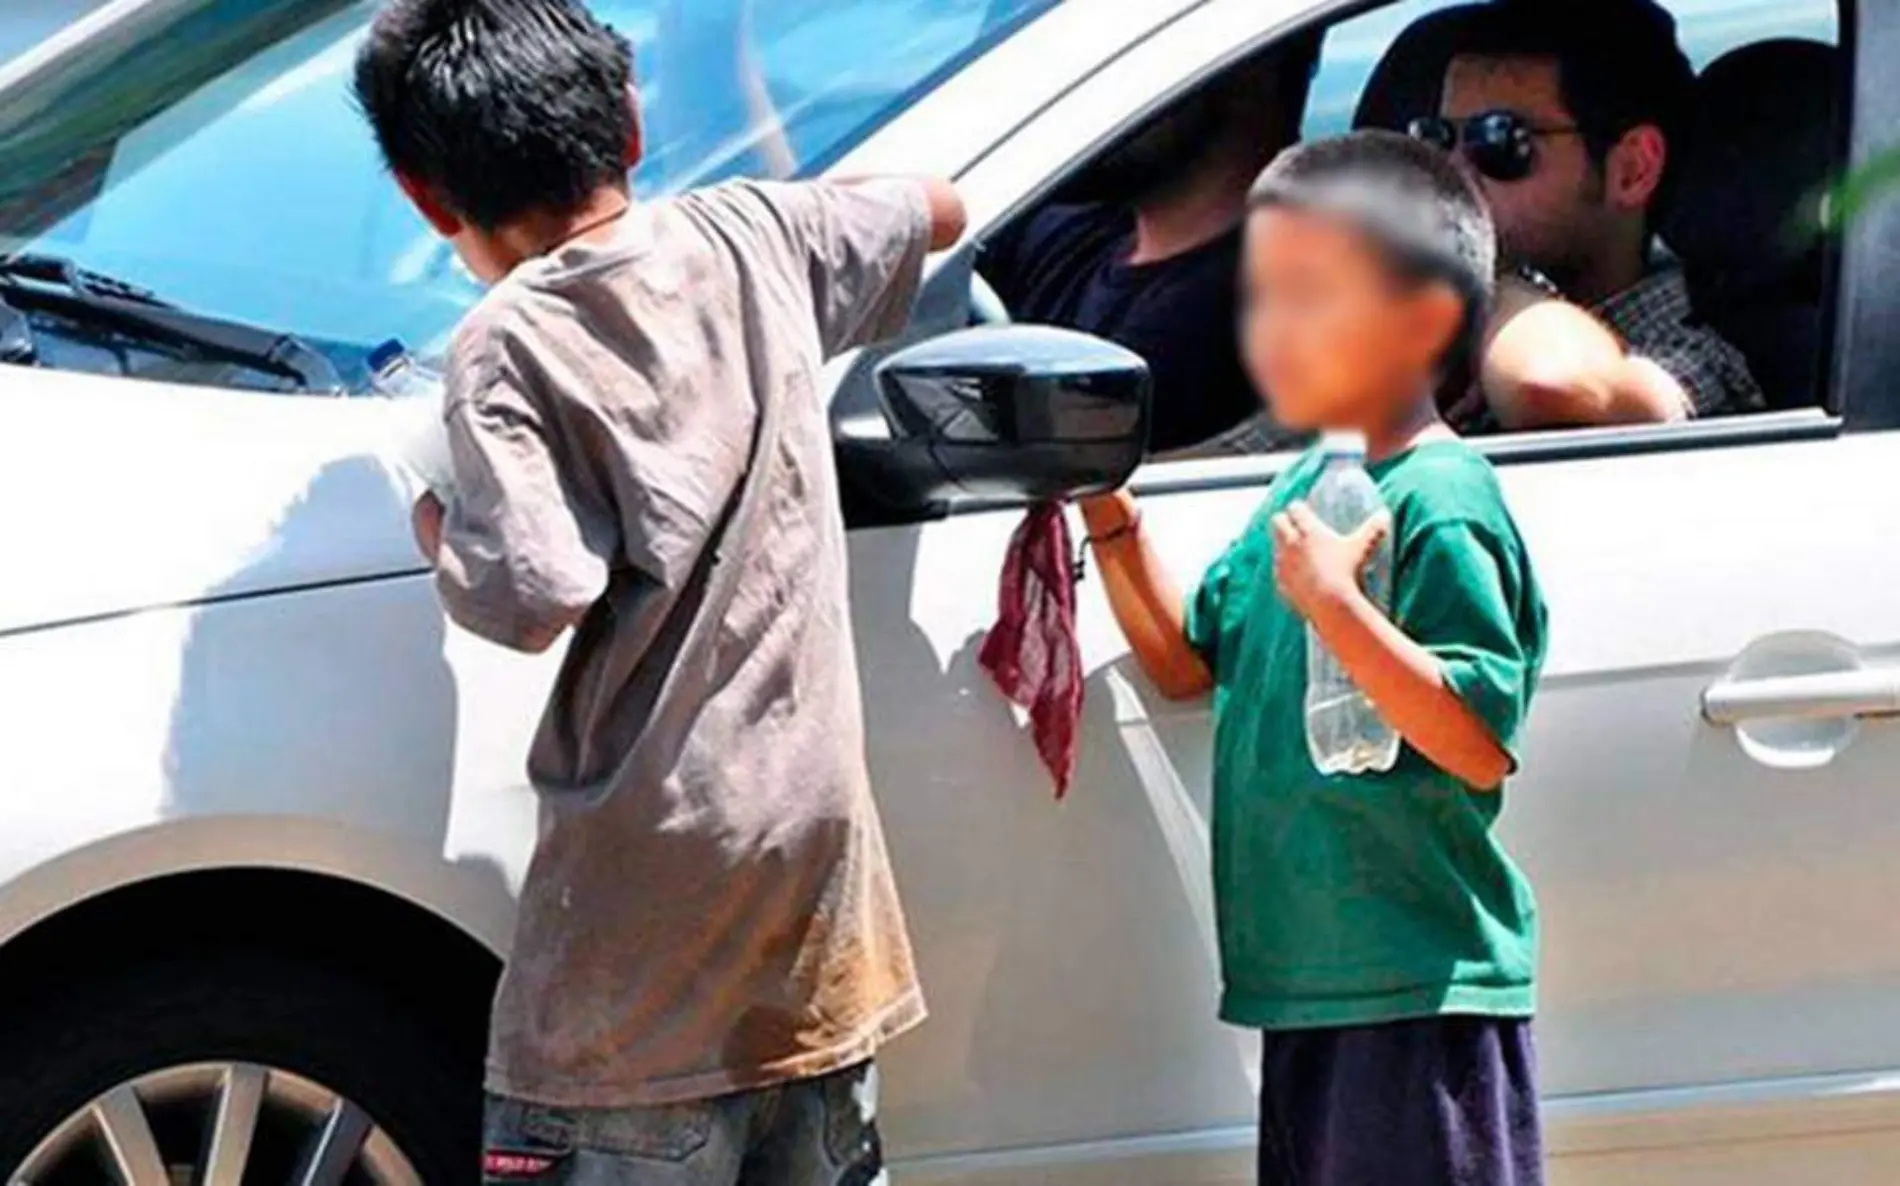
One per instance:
(420, 1085)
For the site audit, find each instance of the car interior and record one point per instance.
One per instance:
(1766, 140)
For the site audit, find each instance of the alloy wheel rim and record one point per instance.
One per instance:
(218, 1124)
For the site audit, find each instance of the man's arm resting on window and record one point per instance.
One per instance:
(1550, 364)
(1149, 608)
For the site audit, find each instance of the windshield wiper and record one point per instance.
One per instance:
(44, 282)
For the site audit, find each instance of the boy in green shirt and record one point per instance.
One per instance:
(1371, 925)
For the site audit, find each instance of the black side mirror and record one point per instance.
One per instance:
(1015, 412)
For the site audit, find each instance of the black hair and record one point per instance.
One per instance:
(1278, 81)
(1619, 67)
(1259, 99)
(1415, 206)
(498, 107)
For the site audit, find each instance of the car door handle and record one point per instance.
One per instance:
(1868, 692)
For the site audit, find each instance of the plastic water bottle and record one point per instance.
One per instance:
(1344, 733)
(421, 445)
(394, 372)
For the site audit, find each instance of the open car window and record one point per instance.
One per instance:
(1730, 316)
(1708, 29)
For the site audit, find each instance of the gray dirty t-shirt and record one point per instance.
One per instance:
(709, 908)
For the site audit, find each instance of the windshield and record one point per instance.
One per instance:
(212, 153)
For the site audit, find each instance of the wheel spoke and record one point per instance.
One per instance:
(240, 1096)
(342, 1139)
(122, 1125)
(385, 1162)
(113, 1140)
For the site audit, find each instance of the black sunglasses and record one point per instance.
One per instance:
(1502, 145)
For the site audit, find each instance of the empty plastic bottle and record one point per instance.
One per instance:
(396, 373)
(1343, 732)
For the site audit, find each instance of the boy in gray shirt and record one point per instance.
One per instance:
(710, 948)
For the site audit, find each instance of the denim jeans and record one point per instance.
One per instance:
(815, 1132)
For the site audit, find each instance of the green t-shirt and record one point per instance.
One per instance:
(1349, 900)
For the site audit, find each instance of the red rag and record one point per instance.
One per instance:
(1032, 652)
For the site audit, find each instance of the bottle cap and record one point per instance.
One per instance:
(382, 356)
(1342, 444)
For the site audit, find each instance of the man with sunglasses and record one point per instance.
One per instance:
(1569, 114)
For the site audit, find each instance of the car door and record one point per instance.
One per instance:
(1720, 967)
(1066, 948)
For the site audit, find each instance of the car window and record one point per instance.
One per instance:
(1707, 28)
(219, 160)
(1733, 304)
(1723, 308)
(25, 22)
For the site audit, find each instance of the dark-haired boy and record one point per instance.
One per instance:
(1371, 925)
(710, 948)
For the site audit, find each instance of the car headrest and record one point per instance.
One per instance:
(1762, 146)
(1409, 79)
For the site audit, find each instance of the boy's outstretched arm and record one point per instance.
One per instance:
(1318, 573)
(949, 218)
(860, 243)
(1146, 603)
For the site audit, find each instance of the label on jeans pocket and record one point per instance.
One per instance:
(517, 1165)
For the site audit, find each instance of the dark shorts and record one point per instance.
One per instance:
(1443, 1101)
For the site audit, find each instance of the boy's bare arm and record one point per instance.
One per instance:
(1146, 603)
(426, 521)
(948, 216)
(1318, 573)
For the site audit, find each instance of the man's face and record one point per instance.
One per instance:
(1551, 218)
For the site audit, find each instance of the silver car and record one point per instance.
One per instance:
(262, 811)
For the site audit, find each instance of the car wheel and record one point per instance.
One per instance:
(226, 1070)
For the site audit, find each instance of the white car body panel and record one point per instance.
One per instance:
(216, 650)
(1702, 970)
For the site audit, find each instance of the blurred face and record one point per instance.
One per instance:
(1333, 338)
(1552, 217)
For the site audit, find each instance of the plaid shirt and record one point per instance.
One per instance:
(1655, 318)
(1656, 322)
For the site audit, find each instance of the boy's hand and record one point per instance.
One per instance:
(426, 520)
(1316, 568)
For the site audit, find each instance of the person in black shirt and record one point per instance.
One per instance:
(1144, 248)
